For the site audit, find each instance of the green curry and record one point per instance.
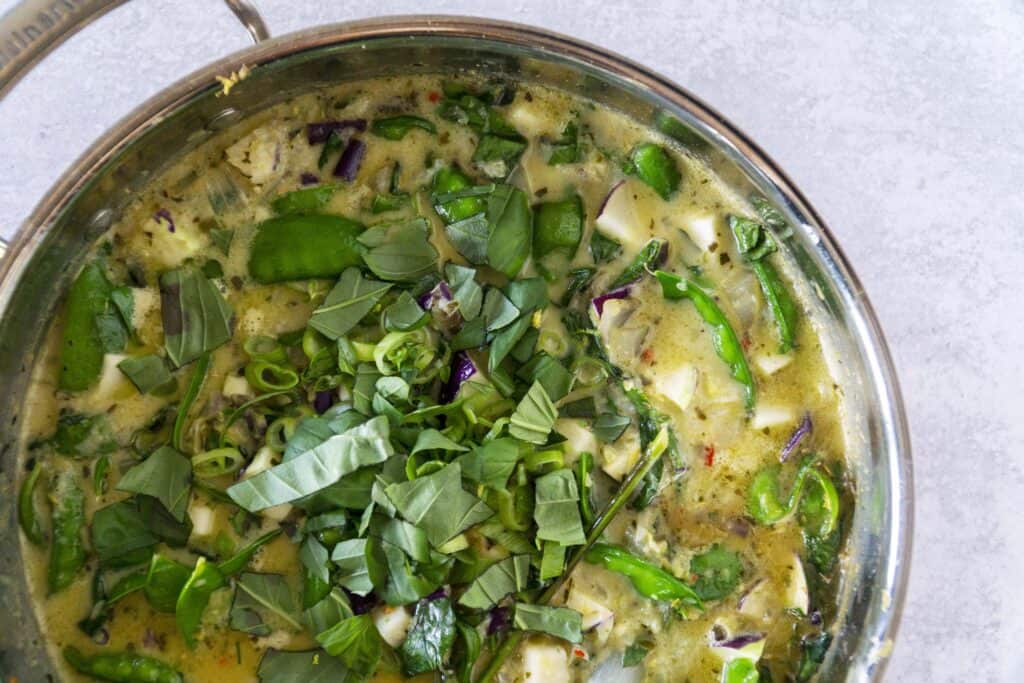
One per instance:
(423, 378)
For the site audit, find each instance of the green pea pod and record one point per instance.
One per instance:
(451, 180)
(306, 200)
(396, 127)
(67, 554)
(28, 515)
(820, 511)
(647, 257)
(754, 243)
(653, 165)
(122, 667)
(301, 247)
(82, 346)
(740, 670)
(727, 345)
(649, 580)
(558, 225)
(195, 595)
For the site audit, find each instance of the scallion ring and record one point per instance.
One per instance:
(217, 462)
(260, 347)
(268, 377)
(279, 431)
(541, 462)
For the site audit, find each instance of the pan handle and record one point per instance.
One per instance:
(34, 28)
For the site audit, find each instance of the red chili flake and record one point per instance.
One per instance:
(580, 653)
(745, 342)
(433, 96)
(709, 455)
(647, 355)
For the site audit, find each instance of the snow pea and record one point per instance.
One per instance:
(649, 580)
(653, 165)
(755, 244)
(819, 507)
(727, 344)
(67, 554)
(82, 347)
(650, 256)
(451, 180)
(122, 667)
(28, 515)
(304, 246)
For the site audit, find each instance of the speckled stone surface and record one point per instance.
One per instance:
(901, 121)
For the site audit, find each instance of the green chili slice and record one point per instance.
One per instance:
(28, 514)
(217, 462)
(268, 378)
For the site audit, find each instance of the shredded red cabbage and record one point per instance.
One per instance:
(598, 302)
(741, 641)
(317, 133)
(802, 430)
(164, 216)
(323, 401)
(608, 196)
(351, 158)
(361, 604)
(499, 621)
(462, 370)
(308, 178)
(439, 294)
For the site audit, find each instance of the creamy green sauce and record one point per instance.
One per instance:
(664, 347)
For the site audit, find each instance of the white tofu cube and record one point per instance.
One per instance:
(392, 623)
(545, 662)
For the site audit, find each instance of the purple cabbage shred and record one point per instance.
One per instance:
(351, 159)
(164, 216)
(441, 592)
(462, 369)
(308, 178)
(621, 293)
(323, 401)
(317, 133)
(802, 430)
(361, 604)
(741, 641)
(499, 621)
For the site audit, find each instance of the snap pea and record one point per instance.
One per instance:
(584, 467)
(653, 165)
(558, 225)
(28, 515)
(122, 667)
(82, 348)
(649, 580)
(648, 257)
(727, 345)
(396, 127)
(447, 181)
(306, 200)
(820, 511)
(67, 554)
(217, 462)
(754, 244)
(300, 247)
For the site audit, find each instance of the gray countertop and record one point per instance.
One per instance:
(900, 121)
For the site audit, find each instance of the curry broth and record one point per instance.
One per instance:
(702, 503)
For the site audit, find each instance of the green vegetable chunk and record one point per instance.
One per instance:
(754, 244)
(122, 667)
(299, 247)
(28, 514)
(194, 597)
(558, 226)
(82, 348)
(356, 642)
(727, 345)
(821, 512)
(67, 553)
(148, 373)
(649, 580)
(165, 475)
(396, 127)
(653, 165)
(306, 200)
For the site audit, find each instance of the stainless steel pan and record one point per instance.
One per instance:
(49, 248)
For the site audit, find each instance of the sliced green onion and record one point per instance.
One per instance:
(552, 343)
(264, 348)
(312, 342)
(267, 377)
(218, 462)
(541, 462)
(279, 431)
(590, 372)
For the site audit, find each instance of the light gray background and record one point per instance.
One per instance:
(900, 121)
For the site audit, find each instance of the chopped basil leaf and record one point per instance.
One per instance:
(347, 303)
(196, 317)
(556, 508)
(560, 622)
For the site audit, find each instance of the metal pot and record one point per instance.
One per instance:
(49, 248)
